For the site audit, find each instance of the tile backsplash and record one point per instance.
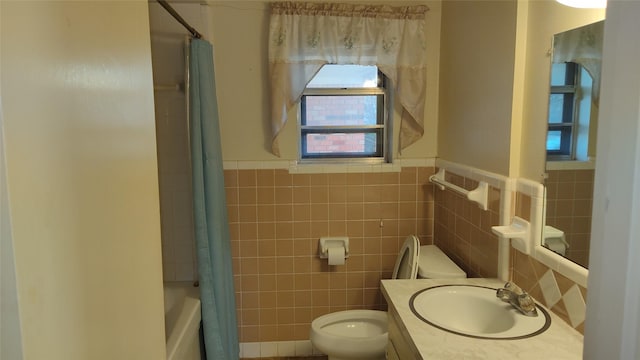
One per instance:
(563, 296)
(276, 219)
(558, 293)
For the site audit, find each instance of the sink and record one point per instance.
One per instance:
(475, 311)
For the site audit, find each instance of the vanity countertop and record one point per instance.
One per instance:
(560, 341)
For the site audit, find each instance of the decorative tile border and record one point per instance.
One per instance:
(557, 292)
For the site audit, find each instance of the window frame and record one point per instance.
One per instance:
(570, 109)
(382, 129)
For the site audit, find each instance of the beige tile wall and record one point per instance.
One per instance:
(174, 171)
(463, 230)
(176, 200)
(563, 296)
(276, 219)
(569, 205)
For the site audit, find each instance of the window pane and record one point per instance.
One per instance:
(345, 76)
(561, 108)
(559, 140)
(338, 143)
(340, 110)
(558, 73)
(554, 139)
(563, 74)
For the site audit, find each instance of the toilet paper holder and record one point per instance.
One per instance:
(329, 242)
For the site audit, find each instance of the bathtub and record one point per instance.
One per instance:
(182, 321)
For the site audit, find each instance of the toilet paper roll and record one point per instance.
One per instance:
(336, 255)
(556, 245)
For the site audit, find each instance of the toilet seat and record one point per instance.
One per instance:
(407, 262)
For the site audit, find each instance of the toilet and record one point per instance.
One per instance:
(362, 334)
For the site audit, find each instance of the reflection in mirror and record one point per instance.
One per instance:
(571, 145)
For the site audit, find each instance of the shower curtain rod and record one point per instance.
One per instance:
(177, 16)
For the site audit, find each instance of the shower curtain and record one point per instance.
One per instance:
(210, 210)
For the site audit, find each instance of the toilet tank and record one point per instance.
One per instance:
(435, 264)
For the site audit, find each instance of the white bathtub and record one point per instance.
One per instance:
(182, 321)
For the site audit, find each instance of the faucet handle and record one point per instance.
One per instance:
(513, 288)
(527, 305)
(526, 302)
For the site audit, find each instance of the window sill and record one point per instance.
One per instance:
(337, 168)
(295, 167)
(571, 165)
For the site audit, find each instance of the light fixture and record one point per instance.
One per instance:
(585, 4)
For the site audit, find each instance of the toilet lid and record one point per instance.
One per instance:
(407, 261)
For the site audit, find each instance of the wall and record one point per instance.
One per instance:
(10, 337)
(613, 322)
(476, 76)
(544, 19)
(240, 37)
(82, 178)
(463, 230)
(276, 219)
(168, 41)
(569, 206)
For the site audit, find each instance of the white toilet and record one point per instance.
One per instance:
(362, 334)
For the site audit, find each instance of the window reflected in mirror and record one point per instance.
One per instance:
(569, 112)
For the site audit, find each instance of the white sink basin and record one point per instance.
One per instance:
(475, 311)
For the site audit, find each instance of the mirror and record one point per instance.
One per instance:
(571, 140)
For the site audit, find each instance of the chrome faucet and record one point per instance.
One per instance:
(519, 299)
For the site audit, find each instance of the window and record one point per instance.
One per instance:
(342, 114)
(569, 111)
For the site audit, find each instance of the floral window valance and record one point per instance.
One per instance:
(305, 36)
(583, 46)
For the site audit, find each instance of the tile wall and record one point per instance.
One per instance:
(174, 171)
(463, 230)
(558, 293)
(569, 205)
(276, 219)
(174, 175)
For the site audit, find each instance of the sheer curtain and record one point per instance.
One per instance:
(305, 36)
(582, 46)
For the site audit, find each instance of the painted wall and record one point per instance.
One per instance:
(10, 337)
(476, 83)
(82, 178)
(613, 322)
(544, 19)
(240, 37)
